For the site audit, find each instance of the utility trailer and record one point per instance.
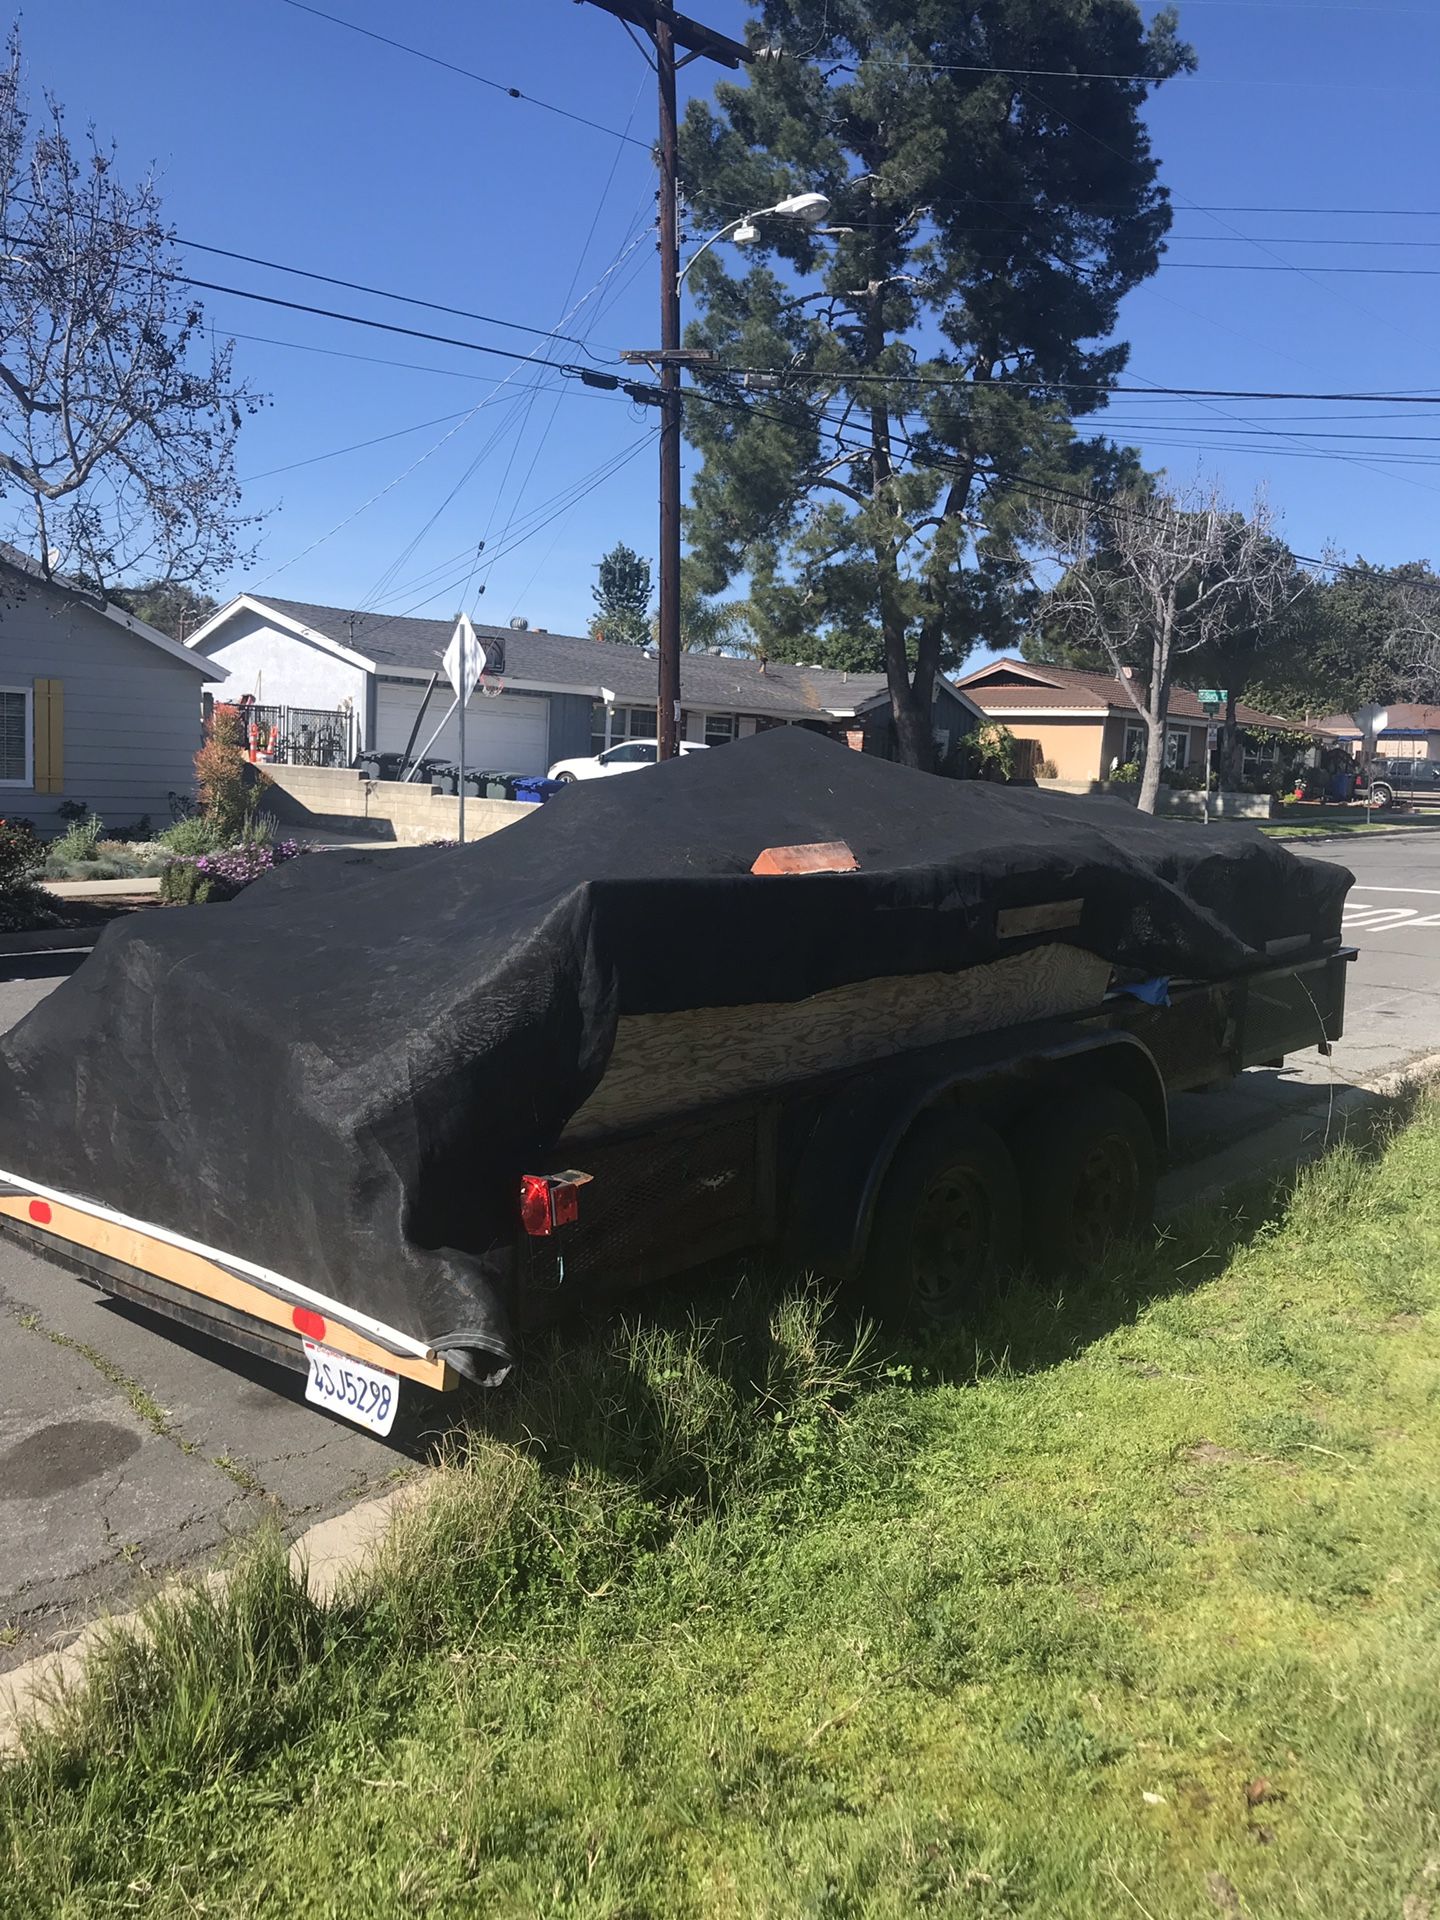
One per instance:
(916, 1176)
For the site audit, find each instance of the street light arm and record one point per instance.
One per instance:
(719, 234)
(805, 207)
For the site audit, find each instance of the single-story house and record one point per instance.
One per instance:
(1085, 723)
(544, 697)
(1411, 732)
(95, 706)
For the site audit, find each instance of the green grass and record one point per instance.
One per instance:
(1124, 1603)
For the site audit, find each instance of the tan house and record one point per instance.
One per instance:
(1411, 732)
(1084, 723)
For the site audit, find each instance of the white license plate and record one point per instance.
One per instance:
(365, 1394)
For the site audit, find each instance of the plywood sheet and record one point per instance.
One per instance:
(665, 1063)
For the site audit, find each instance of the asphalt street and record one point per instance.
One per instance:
(129, 1448)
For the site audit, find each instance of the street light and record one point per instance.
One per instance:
(808, 208)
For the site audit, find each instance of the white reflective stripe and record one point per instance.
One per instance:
(1415, 890)
(1378, 919)
(361, 1321)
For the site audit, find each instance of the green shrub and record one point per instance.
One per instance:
(21, 852)
(182, 884)
(81, 840)
(24, 907)
(196, 835)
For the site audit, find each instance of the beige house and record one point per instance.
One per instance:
(1084, 723)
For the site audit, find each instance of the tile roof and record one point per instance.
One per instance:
(1049, 686)
(566, 660)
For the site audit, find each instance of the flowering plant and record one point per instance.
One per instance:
(220, 876)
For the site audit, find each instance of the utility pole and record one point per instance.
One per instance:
(668, 30)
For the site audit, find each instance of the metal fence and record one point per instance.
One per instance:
(307, 736)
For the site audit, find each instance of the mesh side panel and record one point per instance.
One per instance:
(654, 1197)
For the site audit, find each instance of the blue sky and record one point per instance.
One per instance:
(278, 134)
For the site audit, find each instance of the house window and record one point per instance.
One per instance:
(17, 767)
(626, 723)
(719, 729)
(1177, 748)
(1134, 744)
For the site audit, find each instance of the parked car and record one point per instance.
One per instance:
(624, 757)
(1393, 779)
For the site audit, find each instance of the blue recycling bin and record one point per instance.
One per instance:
(533, 792)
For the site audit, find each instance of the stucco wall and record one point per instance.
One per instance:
(1074, 745)
(131, 711)
(282, 670)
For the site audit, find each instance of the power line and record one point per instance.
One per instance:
(1310, 266)
(388, 293)
(1146, 79)
(351, 319)
(355, 447)
(860, 377)
(466, 73)
(1040, 489)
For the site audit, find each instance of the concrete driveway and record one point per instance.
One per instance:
(128, 1447)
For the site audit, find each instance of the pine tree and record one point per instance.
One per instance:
(991, 203)
(622, 595)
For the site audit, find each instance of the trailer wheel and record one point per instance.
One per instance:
(1090, 1169)
(947, 1224)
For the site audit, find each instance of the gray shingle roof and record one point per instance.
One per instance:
(565, 660)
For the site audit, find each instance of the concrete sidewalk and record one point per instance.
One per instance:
(139, 888)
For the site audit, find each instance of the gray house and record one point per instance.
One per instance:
(94, 705)
(545, 696)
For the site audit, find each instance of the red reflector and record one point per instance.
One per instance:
(40, 1212)
(536, 1214)
(565, 1203)
(312, 1325)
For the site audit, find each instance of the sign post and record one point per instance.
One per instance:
(464, 662)
(1372, 722)
(1212, 699)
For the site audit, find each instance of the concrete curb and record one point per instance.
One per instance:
(325, 1558)
(1291, 1141)
(50, 940)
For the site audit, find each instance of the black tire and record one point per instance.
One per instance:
(565, 780)
(947, 1225)
(1088, 1173)
(1382, 795)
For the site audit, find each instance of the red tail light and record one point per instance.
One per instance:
(548, 1201)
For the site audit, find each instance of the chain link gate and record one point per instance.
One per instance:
(307, 736)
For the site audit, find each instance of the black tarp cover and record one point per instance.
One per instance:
(340, 1074)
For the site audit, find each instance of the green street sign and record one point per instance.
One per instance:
(1213, 696)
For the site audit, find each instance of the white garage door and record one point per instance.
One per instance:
(510, 734)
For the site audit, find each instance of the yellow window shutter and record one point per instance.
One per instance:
(49, 736)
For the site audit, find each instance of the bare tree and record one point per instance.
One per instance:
(1413, 641)
(118, 416)
(1148, 578)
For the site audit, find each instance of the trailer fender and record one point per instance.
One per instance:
(842, 1167)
